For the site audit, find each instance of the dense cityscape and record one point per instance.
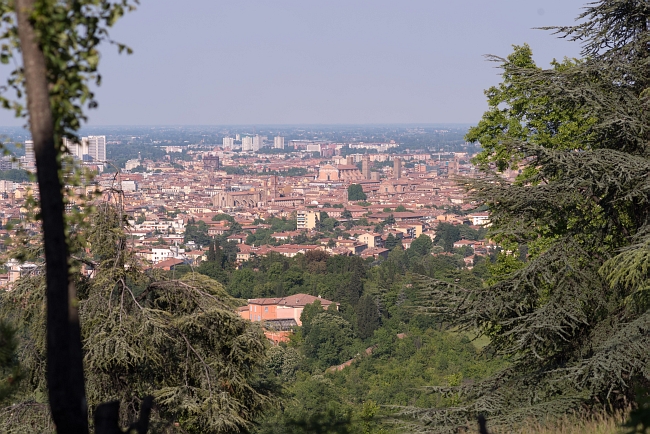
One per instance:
(198, 255)
(341, 198)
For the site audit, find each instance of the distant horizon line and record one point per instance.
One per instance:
(412, 124)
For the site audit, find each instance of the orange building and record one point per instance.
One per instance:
(284, 311)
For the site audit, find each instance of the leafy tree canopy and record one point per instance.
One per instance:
(355, 193)
(517, 114)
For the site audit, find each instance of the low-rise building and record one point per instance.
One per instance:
(286, 308)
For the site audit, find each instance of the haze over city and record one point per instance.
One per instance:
(332, 216)
(331, 62)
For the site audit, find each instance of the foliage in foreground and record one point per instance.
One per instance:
(178, 340)
(573, 316)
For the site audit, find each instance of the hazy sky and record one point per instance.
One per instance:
(216, 62)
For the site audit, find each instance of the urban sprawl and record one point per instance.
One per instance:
(265, 195)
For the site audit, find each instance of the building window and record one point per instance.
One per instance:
(266, 309)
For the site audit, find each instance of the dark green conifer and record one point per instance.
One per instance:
(368, 319)
(573, 318)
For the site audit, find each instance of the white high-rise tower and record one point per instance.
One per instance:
(258, 143)
(77, 150)
(97, 147)
(30, 158)
(228, 143)
(246, 144)
(278, 142)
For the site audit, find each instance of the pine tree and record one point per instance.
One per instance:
(8, 362)
(178, 340)
(391, 242)
(211, 253)
(218, 254)
(574, 318)
(368, 318)
(355, 192)
(350, 291)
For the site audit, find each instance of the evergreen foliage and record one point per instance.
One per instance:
(8, 364)
(221, 217)
(15, 175)
(572, 316)
(178, 340)
(368, 317)
(446, 235)
(329, 341)
(515, 113)
(391, 241)
(197, 232)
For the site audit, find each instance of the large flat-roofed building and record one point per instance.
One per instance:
(258, 143)
(247, 144)
(228, 142)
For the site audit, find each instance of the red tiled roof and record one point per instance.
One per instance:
(296, 300)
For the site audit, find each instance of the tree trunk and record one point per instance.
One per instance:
(65, 376)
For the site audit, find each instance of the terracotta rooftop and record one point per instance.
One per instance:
(297, 300)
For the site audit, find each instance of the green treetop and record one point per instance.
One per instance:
(355, 193)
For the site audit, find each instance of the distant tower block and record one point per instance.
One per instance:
(397, 168)
(97, 148)
(454, 166)
(228, 143)
(349, 160)
(247, 144)
(278, 142)
(365, 167)
(258, 143)
(30, 158)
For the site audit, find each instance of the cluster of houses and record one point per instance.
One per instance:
(416, 190)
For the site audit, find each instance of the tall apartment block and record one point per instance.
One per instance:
(77, 150)
(397, 168)
(258, 143)
(246, 144)
(91, 148)
(278, 142)
(97, 147)
(307, 219)
(30, 158)
(228, 143)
